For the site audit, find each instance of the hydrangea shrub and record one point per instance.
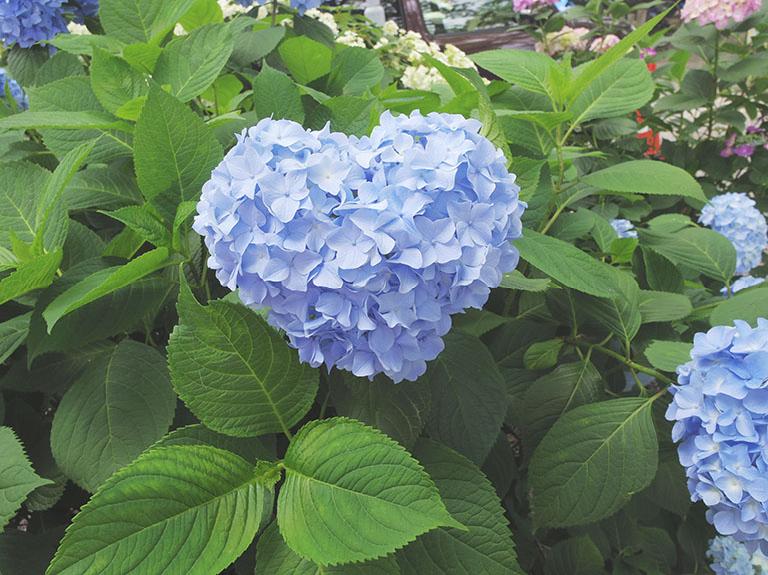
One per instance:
(272, 303)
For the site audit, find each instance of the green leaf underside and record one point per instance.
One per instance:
(117, 408)
(591, 462)
(352, 494)
(235, 372)
(140, 521)
(486, 548)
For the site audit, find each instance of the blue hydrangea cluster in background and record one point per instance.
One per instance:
(720, 409)
(729, 557)
(29, 22)
(82, 9)
(742, 283)
(363, 248)
(8, 84)
(624, 228)
(300, 5)
(735, 216)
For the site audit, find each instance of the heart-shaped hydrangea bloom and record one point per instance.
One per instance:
(28, 22)
(720, 409)
(363, 248)
(735, 216)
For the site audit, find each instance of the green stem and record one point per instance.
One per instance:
(274, 12)
(632, 364)
(715, 63)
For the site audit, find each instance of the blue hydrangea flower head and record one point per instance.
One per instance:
(624, 228)
(300, 5)
(363, 248)
(729, 557)
(720, 410)
(29, 22)
(735, 216)
(82, 9)
(8, 84)
(743, 282)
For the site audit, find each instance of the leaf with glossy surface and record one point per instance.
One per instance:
(352, 494)
(700, 250)
(592, 461)
(468, 397)
(141, 522)
(117, 408)
(516, 280)
(486, 546)
(668, 355)
(354, 71)
(17, 478)
(306, 59)
(276, 95)
(527, 69)
(234, 372)
(619, 314)
(748, 306)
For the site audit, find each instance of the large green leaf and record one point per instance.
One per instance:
(274, 557)
(625, 86)
(567, 264)
(60, 120)
(306, 59)
(189, 64)
(13, 332)
(234, 372)
(700, 250)
(575, 556)
(251, 449)
(117, 408)
(115, 82)
(104, 282)
(621, 313)
(399, 410)
(592, 461)
(352, 494)
(31, 275)
(174, 150)
(276, 95)
(354, 71)
(141, 20)
(17, 478)
(524, 68)
(486, 547)
(468, 397)
(103, 188)
(142, 522)
(21, 184)
(647, 177)
(747, 306)
(125, 308)
(550, 396)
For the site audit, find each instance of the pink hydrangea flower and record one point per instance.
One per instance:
(524, 5)
(603, 43)
(719, 12)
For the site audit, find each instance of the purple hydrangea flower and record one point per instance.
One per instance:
(8, 84)
(624, 228)
(363, 248)
(29, 22)
(729, 557)
(742, 283)
(720, 409)
(300, 5)
(735, 216)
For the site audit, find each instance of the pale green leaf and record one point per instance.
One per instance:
(668, 355)
(647, 177)
(276, 95)
(352, 494)
(30, 275)
(746, 306)
(527, 69)
(114, 81)
(657, 306)
(141, 20)
(17, 478)
(234, 372)
(516, 280)
(306, 59)
(141, 521)
(700, 250)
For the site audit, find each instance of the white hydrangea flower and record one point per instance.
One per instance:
(350, 38)
(229, 8)
(325, 18)
(78, 29)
